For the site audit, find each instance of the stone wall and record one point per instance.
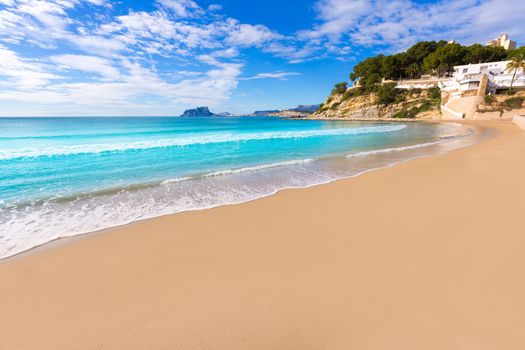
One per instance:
(520, 121)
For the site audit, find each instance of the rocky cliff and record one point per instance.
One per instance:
(406, 104)
(288, 113)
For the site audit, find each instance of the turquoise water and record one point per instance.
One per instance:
(65, 176)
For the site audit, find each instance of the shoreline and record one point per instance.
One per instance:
(386, 120)
(431, 118)
(426, 254)
(476, 134)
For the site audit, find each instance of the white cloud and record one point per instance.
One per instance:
(22, 74)
(31, 83)
(226, 53)
(272, 75)
(97, 2)
(250, 35)
(214, 7)
(181, 8)
(91, 64)
(142, 24)
(338, 16)
(50, 14)
(97, 44)
(117, 54)
(400, 23)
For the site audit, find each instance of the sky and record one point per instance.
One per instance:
(160, 57)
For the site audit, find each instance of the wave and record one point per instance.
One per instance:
(393, 149)
(78, 135)
(258, 167)
(188, 141)
(176, 180)
(239, 170)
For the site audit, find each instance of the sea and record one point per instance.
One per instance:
(62, 177)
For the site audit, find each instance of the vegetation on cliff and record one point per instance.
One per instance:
(502, 102)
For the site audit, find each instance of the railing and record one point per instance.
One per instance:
(458, 115)
(475, 76)
(431, 80)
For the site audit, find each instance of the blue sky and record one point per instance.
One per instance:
(159, 57)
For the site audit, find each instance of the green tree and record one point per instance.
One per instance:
(387, 94)
(431, 63)
(445, 58)
(449, 56)
(412, 70)
(517, 62)
(371, 81)
(340, 88)
(422, 49)
(364, 69)
(516, 52)
(479, 54)
(389, 67)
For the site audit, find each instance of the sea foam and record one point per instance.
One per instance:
(392, 149)
(258, 167)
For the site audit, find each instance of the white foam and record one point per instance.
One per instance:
(188, 141)
(393, 149)
(176, 180)
(258, 167)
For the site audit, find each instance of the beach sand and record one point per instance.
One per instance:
(429, 254)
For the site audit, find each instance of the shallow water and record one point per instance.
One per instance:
(66, 176)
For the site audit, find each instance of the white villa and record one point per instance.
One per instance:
(469, 78)
(504, 41)
(462, 93)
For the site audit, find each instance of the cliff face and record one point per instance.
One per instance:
(414, 104)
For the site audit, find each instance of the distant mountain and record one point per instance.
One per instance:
(198, 112)
(306, 108)
(263, 113)
(300, 111)
(226, 114)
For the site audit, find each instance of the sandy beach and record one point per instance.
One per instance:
(427, 254)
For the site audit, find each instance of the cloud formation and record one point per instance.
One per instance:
(83, 53)
(114, 62)
(400, 23)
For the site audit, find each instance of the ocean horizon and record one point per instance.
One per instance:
(62, 177)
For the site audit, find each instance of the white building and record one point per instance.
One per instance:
(468, 77)
(504, 41)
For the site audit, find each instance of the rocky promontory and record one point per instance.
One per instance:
(198, 112)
